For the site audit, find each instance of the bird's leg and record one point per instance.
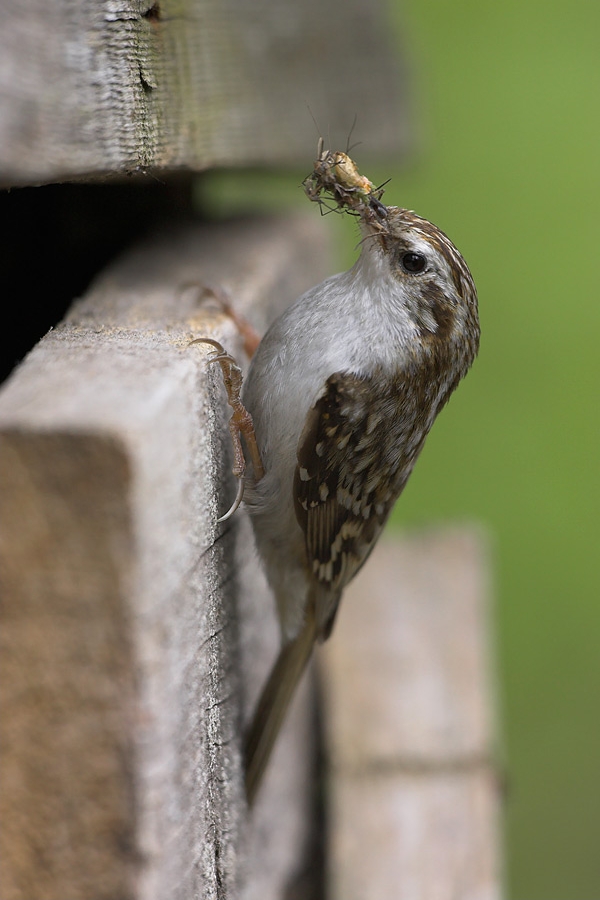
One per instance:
(239, 423)
(250, 336)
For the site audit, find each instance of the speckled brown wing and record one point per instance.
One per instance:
(354, 456)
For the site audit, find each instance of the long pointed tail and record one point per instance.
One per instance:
(273, 704)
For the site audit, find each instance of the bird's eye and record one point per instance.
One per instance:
(413, 263)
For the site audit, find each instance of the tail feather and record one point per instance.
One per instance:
(273, 704)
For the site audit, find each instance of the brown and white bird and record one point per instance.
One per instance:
(343, 390)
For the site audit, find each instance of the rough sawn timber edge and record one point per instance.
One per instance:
(112, 87)
(136, 632)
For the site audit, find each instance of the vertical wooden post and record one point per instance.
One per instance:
(414, 800)
(136, 631)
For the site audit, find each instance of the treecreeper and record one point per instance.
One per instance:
(341, 393)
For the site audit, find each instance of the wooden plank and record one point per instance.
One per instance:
(409, 714)
(96, 88)
(137, 631)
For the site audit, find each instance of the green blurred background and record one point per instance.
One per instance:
(506, 97)
(511, 103)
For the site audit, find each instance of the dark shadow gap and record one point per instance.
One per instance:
(56, 238)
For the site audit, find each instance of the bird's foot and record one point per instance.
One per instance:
(240, 422)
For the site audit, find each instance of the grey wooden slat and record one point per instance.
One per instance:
(136, 631)
(111, 86)
(410, 724)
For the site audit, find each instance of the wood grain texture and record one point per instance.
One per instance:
(114, 86)
(409, 713)
(135, 630)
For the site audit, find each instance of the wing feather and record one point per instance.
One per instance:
(350, 471)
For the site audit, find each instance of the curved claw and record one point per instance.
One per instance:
(205, 340)
(239, 423)
(236, 503)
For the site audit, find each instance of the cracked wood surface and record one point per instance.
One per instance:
(135, 630)
(117, 86)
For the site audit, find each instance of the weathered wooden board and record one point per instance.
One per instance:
(409, 714)
(111, 86)
(135, 630)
